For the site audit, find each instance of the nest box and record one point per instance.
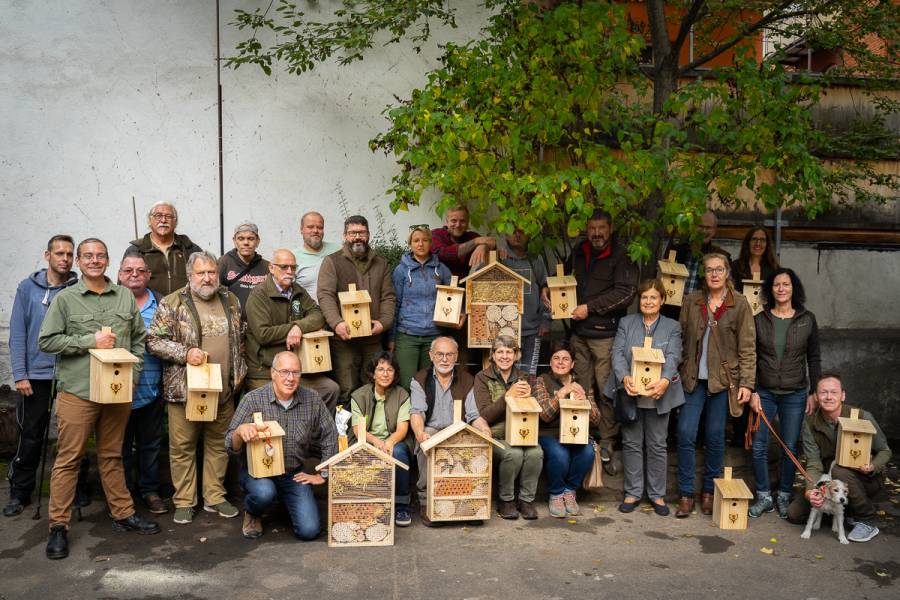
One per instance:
(646, 365)
(204, 384)
(111, 374)
(315, 352)
(673, 276)
(522, 420)
(753, 293)
(495, 295)
(562, 294)
(854, 440)
(265, 455)
(730, 502)
(574, 420)
(355, 310)
(448, 304)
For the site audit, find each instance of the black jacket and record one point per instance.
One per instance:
(607, 283)
(801, 352)
(167, 273)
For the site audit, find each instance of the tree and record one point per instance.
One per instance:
(558, 108)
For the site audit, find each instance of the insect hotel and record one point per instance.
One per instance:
(730, 502)
(673, 276)
(562, 294)
(361, 482)
(494, 298)
(315, 354)
(111, 374)
(854, 440)
(448, 305)
(753, 291)
(574, 420)
(265, 455)
(204, 384)
(646, 365)
(522, 420)
(459, 472)
(355, 311)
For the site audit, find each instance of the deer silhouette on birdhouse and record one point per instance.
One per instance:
(111, 374)
(356, 311)
(673, 276)
(854, 440)
(562, 294)
(495, 295)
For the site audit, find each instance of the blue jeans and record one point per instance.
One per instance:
(260, 494)
(715, 409)
(790, 408)
(566, 464)
(141, 445)
(401, 491)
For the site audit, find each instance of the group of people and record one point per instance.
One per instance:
(176, 304)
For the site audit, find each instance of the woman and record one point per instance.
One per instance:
(566, 464)
(757, 257)
(519, 463)
(414, 280)
(787, 347)
(719, 354)
(652, 424)
(385, 405)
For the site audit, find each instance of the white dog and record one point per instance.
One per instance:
(835, 500)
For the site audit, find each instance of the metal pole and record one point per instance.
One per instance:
(219, 107)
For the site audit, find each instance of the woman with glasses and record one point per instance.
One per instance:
(757, 257)
(414, 280)
(719, 357)
(385, 405)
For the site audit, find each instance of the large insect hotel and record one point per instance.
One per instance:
(459, 472)
(494, 298)
(361, 483)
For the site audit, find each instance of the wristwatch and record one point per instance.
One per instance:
(323, 473)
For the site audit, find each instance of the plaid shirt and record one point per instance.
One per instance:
(305, 421)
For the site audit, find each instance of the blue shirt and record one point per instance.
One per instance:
(148, 387)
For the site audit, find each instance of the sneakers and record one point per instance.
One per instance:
(13, 508)
(572, 507)
(402, 518)
(557, 506)
(252, 528)
(862, 532)
(224, 509)
(507, 509)
(527, 510)
(57, 545)
(183, 515)
(764, 504)
(155, 504)
(782, 502)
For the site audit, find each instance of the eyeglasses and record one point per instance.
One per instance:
(130, 271)
(716, 270)
(444, 355)
(357, 233)
(287, 373)
(88, 257)
(162, 217)
(285, 267)
(756, 240)
(384, 371)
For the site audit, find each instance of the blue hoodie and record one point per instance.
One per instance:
(33, 298)
(416, 296)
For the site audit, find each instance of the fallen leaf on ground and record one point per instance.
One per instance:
(101, 559)
(881, 573)
(572, 521)
(203, 539)
(767, 551)
(819, 557)
(687, 535)
(773, 540)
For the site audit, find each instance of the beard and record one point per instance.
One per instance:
(359, 248)
(313, 242)
(443, 370)
(204, 292)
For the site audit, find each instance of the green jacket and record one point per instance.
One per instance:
(73, 318)
(490, 397)
(270, 316)
(168, 271)
(365, 400)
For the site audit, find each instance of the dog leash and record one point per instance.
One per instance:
(753, 427)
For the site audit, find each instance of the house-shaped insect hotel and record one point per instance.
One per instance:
(494, 298)
(355, 310)
(361, 482)
(315, 353)
(646, 365)
(204, 384)
(753, 292)
(111, 374)
(673, 276)
(574, 420)
(448, 304)
(459, 472)
(562, 294)
(730, 502)
(522, 420)
(265, 455)
(854, 440)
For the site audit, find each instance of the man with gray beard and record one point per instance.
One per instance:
(313, 251)
(199, 323)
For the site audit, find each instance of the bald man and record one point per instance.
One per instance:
(313, 251)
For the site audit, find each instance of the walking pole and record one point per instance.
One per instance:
(37, 509)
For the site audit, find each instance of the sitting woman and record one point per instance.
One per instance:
(522, 464)
(566, 464)
(385, 405)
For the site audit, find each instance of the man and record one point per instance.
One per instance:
(313, 251)
(456, 246)
(279, 312)
(606, 285)
(73, 326)
(432, 392)
(143, 436)
(199, 323)
(819, 447)
(32, 369)
(307, 424)
(241, 269)
(165, 251)
(355, 263)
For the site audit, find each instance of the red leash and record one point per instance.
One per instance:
(753, 427)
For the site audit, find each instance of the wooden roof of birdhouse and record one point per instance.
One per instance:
(312, 335)
(454, 285)
(668, 266)
(646, 353)
(354, 296)
(522, 404)
(451, 430)
(755, 281)
(495, 268)
(855, 424)
(560, 279)
(360, 446)
(572, 403)
(204, 378)
(113, 355)
(275, 429)
(732, 489)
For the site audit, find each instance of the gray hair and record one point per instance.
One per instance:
(157, 205)
(444, 337)
(505, 341)
(202, 255)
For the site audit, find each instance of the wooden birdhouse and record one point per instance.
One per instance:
(315, 353)
(495, 295)
(646, 365)
(574, 420)
(355, 310)
(204, 384)
(753, 292)
(562, 294)
(361, 483)
(265, 455)
(459, 472)
(730, 502)
(111, 374)
(522, 420)
(448, 305)
(854, 440)
(673, 276)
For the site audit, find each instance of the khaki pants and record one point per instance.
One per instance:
(593, 363)
(77, 418)
(349, 359)
(327, 389)
(183, 438)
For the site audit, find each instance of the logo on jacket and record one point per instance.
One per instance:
(295, 307)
